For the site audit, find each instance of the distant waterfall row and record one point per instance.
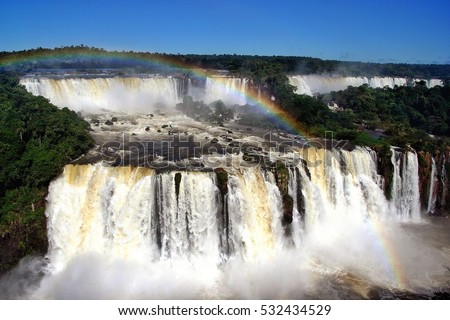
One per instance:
(139, 213)
(318, 84)
(142, 94)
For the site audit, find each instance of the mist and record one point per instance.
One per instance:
(134, 94)
(340, 265)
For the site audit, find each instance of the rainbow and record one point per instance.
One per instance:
(265, 104)
(388, 251)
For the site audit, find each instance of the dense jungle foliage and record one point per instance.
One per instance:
(256, 67)
(36, 140)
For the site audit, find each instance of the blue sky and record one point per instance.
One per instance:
(412, 31)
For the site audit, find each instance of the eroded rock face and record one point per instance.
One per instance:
(21, 240)
(282, 179)
(434, 181)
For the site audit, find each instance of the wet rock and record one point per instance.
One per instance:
(282, 179)
(147, 128)
(288, 206)
(222, 180)
(177, 180)
(109, 123)
(114, 119)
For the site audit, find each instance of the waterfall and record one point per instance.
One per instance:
(344, 186)
(203, 235)
(230, 90)
(142, 94)
(137, 213)
(188, 215)
(431, 205)
(444, 182)
(126, 94)
(405, 186)
(134, 94)
(319, 84)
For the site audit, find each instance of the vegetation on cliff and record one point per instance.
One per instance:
(36, 140)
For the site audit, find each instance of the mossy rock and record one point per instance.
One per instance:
(281, 175)
(288, 206)
(177, 179)
(222, 180)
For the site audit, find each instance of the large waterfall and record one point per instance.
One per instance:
(312, 223)
(134, 94)
(134, 232)
(141, 94)
(129, 94)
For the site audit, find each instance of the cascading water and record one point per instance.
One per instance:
(431, 205)
(116, 94)
(444, 182)
(143, 93)
(318, 84)
(131, 94)
(157, 231)
(328, 232)
(405, 185)
(230, 90)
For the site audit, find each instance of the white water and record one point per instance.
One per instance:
(316, 84)
(230, 90)
(432, 195)
(145, 94)
(129, 94)
(405, 185)
(444, 182)
(134, 94)
(125, 232)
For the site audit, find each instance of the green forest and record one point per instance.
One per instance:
(256, 67)
(36, 140)
(406, 115)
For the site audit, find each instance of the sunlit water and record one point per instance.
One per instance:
(123, 232)
(133, 233)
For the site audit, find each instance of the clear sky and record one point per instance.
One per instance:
(413, 31)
